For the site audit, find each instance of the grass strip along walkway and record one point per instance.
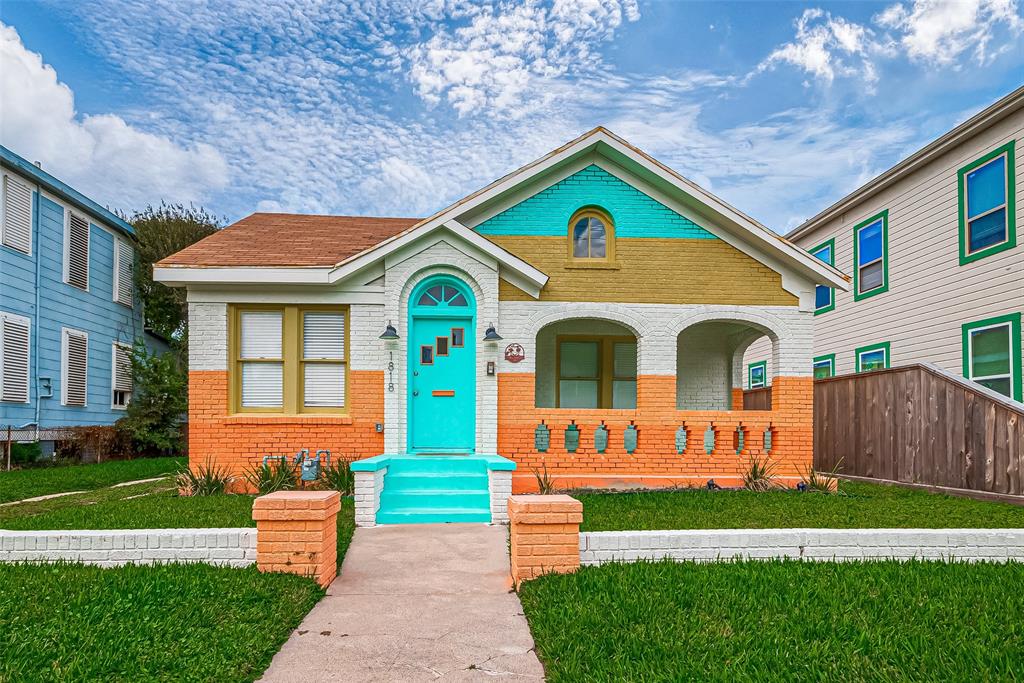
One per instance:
(171, 622)
(42, 481)
(780, 620)
(857, 505)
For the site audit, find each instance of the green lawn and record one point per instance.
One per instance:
(41, 481)
(781, 620)
(154, 505)
(172, 622)
(856, 505)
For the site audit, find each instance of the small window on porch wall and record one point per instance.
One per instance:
(442, 295)
(597, 372)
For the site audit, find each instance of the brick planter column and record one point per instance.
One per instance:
(545, 534)
(297, 532)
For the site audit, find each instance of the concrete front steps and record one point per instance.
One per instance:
(428, 489)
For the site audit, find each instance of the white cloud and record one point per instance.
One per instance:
(940, 31)
(826, 46)
(102, 155)
(502, 57)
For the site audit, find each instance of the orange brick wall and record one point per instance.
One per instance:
(655, 462)
(237, 442)
(297, 533)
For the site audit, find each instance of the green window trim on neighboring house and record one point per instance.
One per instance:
(826, 362)
(872, 350)
(992, 374)
(752, 370)
(882, 258)
(826, 252)
(1007, 207)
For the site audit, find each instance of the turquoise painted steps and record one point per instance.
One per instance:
(435, 489)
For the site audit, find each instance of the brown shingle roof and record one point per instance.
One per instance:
(285, 239)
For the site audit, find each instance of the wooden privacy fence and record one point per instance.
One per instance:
(757, 399)
(919, 424)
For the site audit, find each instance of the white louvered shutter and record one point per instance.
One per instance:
(78, 251)
(323, 339)
(17, 215)
(14, 336)
(263, 382)
(122, 368)
(125, 258)
(76, 367)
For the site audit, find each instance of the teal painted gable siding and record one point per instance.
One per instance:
(635, 214)
(60, 305)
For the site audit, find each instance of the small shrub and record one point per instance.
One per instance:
(159, 402)
(545, 482)
(95, 444)
(276, 475)
(760, 475)
(208, 480)
(25, 453)
(338, 477)
(821, 482)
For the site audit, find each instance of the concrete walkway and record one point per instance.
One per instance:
(416, 603)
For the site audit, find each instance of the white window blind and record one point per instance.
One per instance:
(17, 215)
(76, 367)
(77, 266)
(124, 263)
(323, 355)
(261, 359)
(14, 350)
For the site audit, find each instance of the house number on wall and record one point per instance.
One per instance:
(515, 353)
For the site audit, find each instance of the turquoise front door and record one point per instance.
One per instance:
(442, 367)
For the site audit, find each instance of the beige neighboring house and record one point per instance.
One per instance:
(933, 248)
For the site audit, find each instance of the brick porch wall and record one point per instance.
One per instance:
(655, 462)
(237, 442)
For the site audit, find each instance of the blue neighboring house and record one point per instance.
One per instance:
(68, 307)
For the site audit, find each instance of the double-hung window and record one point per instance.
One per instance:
(824, 297)
(825, 366)
(289, 359)
(986, 205)
(757, 375)
(120, 375)
(871, 256)
(76, 250)
(873, 357)
(14, 358)
(992, 354)
(16, 214)
(74, 367)
(596, 372)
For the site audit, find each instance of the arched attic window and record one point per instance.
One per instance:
(591, 235)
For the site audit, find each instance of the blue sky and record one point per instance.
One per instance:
(399, 108)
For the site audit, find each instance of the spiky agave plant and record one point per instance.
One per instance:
(760, 475)
(821, 482)
(338, 477)
(204, 480)
(545, 482)
(277, 475)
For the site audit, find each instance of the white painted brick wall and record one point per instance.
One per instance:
(207, 336)
(368, 487)
(499, 484)
(113, 548)
(966, 545)
(481, 275)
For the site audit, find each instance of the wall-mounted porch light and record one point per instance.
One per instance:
(491, 335)
(390, 333)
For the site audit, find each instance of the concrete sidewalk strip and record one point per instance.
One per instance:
(416, 603)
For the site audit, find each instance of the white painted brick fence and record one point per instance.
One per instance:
(811, 544)
(112, 548)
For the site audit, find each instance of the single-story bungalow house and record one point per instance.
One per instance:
(584, 316)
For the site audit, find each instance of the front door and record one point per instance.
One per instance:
(442, 367)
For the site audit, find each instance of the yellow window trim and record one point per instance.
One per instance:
(605, 365)
(609, 240)
(292, 360)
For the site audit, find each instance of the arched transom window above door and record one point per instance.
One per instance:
(442, 295)
(591, 235)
